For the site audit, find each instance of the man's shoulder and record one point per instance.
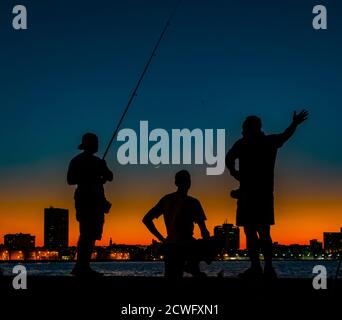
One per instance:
(195, 205)
(193, 200)
(77, 158)
(169, 196)
(86, 157)
(175, 195)
(274, 138)
(167, 199)
(238, 143)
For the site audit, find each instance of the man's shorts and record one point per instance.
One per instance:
(92, 227)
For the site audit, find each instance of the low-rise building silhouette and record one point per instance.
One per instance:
(18, 246)
(19, 241)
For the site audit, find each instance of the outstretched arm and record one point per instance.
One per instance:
(297, 119)
(148, 222)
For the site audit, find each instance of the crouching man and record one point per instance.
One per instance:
(182, 252)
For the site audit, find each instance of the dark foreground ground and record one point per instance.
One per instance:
(107, 297)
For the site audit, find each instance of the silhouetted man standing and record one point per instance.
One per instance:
(256, 154)
(89, 173)
(180, 213)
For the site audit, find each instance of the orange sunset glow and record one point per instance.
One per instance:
(304, 210)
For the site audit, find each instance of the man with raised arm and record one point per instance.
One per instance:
(256, 155)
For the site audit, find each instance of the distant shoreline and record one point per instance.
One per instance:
(150, 261)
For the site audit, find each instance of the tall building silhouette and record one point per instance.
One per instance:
(230, 235)
(56, 228)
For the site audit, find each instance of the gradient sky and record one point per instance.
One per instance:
(72, 71)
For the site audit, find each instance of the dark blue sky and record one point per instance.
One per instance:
(74, 67)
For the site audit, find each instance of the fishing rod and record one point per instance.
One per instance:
(134, 92)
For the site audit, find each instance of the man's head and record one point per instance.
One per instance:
(183, 180)
(90, 143)
(251, 126)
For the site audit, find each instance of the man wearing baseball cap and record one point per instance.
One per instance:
(89, 173)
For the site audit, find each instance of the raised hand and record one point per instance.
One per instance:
(300, 117)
